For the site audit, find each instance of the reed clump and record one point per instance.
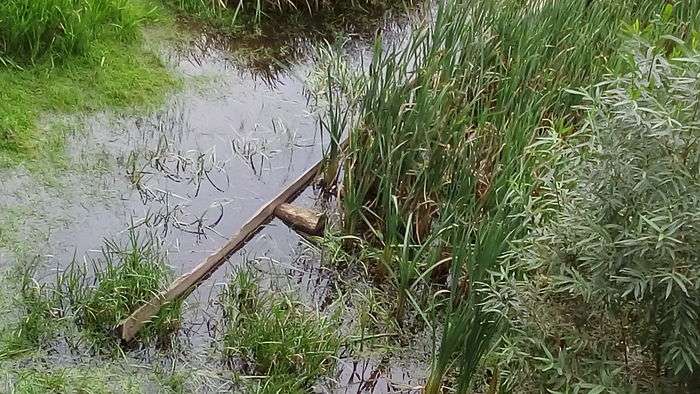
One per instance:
(443, 159)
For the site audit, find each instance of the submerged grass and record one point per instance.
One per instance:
(277, 337)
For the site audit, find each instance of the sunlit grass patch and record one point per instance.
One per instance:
(277, 337)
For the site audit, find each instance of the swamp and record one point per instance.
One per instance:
(350, 196)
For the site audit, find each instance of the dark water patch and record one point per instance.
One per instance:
(286, 38)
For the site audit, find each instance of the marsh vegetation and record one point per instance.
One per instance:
(516, 205)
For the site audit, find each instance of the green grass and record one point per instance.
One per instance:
(36, 323)
(91, 377)
(110, 71)
(125, 277)
(61, 380)
(279, 338)
(39, 29)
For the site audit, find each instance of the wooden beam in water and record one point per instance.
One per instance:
(185, 284)
(302, 219)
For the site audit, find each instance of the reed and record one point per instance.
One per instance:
(439, 169)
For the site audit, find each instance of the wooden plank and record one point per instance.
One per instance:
(302, 219)
(184, 285)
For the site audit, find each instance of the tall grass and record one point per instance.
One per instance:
(32, 29)
(439, 171)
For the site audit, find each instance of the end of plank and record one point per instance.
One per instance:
(302, 219)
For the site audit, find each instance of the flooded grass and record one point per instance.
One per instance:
(97, 70)
(92, 299)
(275, 338)
(269, 37)
(36, 322)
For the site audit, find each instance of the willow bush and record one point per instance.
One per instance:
(629, 230)
(609, 292)
(441, 161)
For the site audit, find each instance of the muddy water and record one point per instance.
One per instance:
(193, 172)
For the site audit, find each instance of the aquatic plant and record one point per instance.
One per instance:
(439, 167)
(277, 336)
(124, 277)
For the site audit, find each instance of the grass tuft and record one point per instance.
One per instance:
(125, 277)
(277, 337)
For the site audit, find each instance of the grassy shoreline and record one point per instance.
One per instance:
(111, 70)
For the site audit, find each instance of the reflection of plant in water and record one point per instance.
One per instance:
(270, 36)
(179, 216)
